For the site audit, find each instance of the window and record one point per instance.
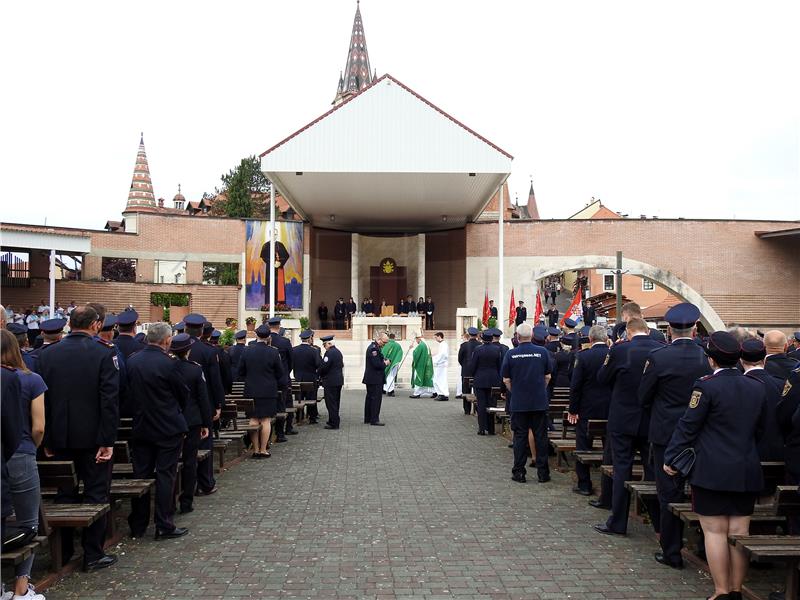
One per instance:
(647, 285)
(221, 273)
(118, 269)
(170, 271)
(608, 283)
(14, 269)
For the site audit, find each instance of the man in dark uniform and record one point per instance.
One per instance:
(305, 362)
(331, 374)
(374, 369)
(553, 344)
(225, 368)
(126, 324)
(589, 313)
(526, 373)
(283, 427)
(628, 422)
(631, 310)
(492, 309)
(794, 350)
(484, 364)
(778, 363)
(496, 336)
(588, 399)
(465, 351)
(350, 307)
(522, 314)
(666, 387)
(552, 316)
(322, 313)
(158, 396)
(52, 332)
(770, 446)
(198, 415)
(207, 358)
(81, 420)
(563, 356)
(339, 314)
(235, 352)
(430, 309)
(180, 327)
(788, 415)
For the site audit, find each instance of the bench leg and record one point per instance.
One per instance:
(56, 556)
(792, 579)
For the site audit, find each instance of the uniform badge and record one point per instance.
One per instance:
(374, 353)
(695, 401)
(786, 387)
(605, 362)
(646, 364)
(325, 359)
(116, 362)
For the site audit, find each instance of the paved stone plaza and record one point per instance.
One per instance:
(421, 508)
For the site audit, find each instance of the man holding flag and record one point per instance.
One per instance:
(521, 314)
(394, 354)
(421, 368)
(575, 310)
(487, 309)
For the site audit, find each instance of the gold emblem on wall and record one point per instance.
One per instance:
(388, 266)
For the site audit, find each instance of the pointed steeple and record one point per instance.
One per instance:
(533, 209)
(141, 192)
(357, 72)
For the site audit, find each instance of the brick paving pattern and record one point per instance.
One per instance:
(421, 508)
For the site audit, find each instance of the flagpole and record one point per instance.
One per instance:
(500, 253)
(271, 264)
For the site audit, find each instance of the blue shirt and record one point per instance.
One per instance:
(32, 385)
(526, 367)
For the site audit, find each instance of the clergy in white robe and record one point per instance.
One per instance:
(440, 369)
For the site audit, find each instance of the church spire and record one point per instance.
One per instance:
(141, 192)
(533, 209)
(357, 72)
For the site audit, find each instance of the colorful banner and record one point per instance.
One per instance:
(287, 263)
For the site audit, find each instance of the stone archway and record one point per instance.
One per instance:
(551, 265)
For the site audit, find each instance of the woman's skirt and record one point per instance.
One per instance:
(263, 408)
(716, 503)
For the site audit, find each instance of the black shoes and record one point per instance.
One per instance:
(213, 490)
(415, 396)
(481, 433)
(519, 478)
(101, 563)
(379, 424)
(660, 558)
(603, 528)
(581, 491)
(329, 426)
(441, 398)
(543, 478)
(391, 394)
(293, 432)
(281, 439)
(312, 422)
(598, 504)
(185, 510)
(168, 535)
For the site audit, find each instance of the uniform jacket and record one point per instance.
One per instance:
(485, 364)
(305, 362)
(526, 366)
(522, 314)
(235, 353)
(373, 366)
(262, 371)
(669, 374)
(197, 411)
(563, 370)
(723, 422)
(770, 447)
(780, 365)
(339, 311)
(284, 347)
(225, 369)
(331, 369)
(788, 416)
(127, 345)
(465, 351)
(623, 372)
(589, 398)
(207, 358)
(82, 397)
(158, 395)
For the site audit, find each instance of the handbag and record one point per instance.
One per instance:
(684, 462)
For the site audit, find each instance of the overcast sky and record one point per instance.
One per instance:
(679, 109)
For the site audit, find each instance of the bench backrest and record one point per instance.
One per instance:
(596, 428)
(787, 500)
(57, 474)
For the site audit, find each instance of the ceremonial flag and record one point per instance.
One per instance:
(575, 309)
(512, 309)
(486, 312)
(539, 310)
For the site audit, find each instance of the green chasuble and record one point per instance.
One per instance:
(422, 366)
(393, 353)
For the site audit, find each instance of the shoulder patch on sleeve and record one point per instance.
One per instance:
(786, 387)
(102, 342)
(608, 357)
(116, 362)
(325, 359)
(695, 400)
(646, 364)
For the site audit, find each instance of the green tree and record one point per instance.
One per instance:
(243, 191)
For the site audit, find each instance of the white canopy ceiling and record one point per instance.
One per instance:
(387, 160)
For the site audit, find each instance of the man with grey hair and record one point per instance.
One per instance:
(526, 372)
(374, 368)
(777, 363)
(158, 397)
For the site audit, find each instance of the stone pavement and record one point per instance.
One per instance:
(421, 508)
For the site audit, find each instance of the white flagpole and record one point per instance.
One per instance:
(500, 256)
(271, 264)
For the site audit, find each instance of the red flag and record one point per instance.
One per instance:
(486, 311)
(574, 309)
(512, 309)
(539, 310)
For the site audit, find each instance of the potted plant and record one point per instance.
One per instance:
(492, 322)
(251, 323)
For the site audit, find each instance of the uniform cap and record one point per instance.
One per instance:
(585, 331)
(753, 350)
(127, 317)
(194, 319)
(274, 321)
(17, 328)
(208, 327)
(487, 335)
(262, 331)
(181, 342)
(215, 334)
(553, 331)
(139, 337)
(326, 338)
(682, 316)
(723, 347)
(241, 334)
(472, 331)
(51, 325)
(797, 336)
(568, 339)
(496, 332)
(305, 334)
(540, 333)
(109, 322)
(569, 322)
(179, 327)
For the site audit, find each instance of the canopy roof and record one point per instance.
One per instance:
(387, 160)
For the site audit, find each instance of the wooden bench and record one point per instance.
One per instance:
(298, 389)
(15, 557)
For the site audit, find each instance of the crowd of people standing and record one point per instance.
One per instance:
(344, 310)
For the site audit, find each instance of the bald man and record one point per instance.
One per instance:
(777, 363)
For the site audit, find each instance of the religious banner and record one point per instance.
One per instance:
(287, 265)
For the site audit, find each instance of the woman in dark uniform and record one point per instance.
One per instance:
(723, 423)
(484, 364)
(261, 369)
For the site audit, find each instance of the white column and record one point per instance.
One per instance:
(52, 283)
(355, 242)
(420, 265)
(500, 255)
(271, 264)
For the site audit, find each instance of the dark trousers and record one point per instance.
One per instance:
(670, 489)
(340, 323)
(205, 470)
(624, 448)
(191, 443)
(583, 443)
(466, 389)
(428, 321)
(313, 413)
(159, 460)
(332, 399)
(96, 480)
(282, 425)
(485, 400)
(372, 402)
(793, 478)
(606, 482)
(521, 422)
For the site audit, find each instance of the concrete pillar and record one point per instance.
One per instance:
(52, 283)
(421, 265)
(354, 252)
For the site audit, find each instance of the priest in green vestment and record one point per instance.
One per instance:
(394, 354)
(421, 369)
